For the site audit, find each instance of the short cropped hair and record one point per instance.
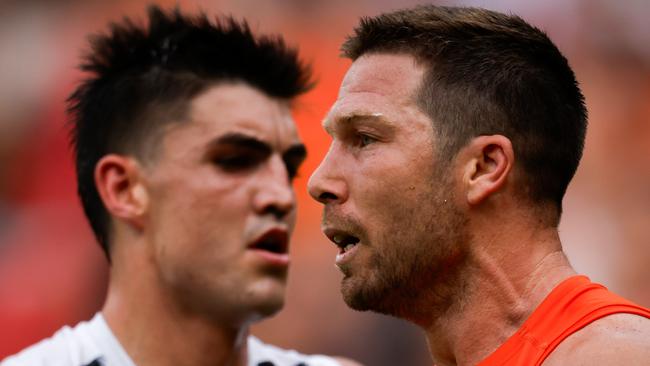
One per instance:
(489, 73)
(144, 77)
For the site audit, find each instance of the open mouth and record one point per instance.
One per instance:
(274, 241)
(342, 239)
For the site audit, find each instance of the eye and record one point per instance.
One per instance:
(365, 140)
(293, 159)
(237, 162)
(292, 170)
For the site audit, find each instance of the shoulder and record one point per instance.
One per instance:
(67, 347)
(50, 351)
(260, 352)
(618, 339)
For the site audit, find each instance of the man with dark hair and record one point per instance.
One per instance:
(185, 153)
(455, 134)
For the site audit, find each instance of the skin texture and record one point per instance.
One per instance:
(184, 285)
(200, 238)
(619, 339)
(448, 243)
(374, 164)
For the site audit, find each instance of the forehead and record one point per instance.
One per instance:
(238, 108)
(378, 84)
(241, 107)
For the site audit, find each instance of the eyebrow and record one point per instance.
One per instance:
(252, 143)
(353, 118)
(244, 141)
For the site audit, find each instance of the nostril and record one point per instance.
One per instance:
(277, 211)
(327, 196)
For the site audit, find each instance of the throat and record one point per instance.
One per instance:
(496, 302)
(161, 338)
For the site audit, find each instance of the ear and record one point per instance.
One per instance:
(490, 160)
(119, 182)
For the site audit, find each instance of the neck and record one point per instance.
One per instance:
(504, 281)
(154, 330)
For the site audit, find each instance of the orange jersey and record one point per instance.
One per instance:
(572, 305)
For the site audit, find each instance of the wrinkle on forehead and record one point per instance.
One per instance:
(378, 84)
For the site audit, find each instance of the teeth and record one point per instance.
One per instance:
(348, 247)
(338, 239)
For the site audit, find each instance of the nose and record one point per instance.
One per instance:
(326, 185)
(275, 194)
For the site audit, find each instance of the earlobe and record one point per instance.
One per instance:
(492, 159)
(120, 187)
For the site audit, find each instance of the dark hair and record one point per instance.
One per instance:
(142, 78)
(489, 73)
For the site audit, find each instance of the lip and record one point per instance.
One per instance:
(273, 259)
(331, 232)
(341, 257)
(279, 237)
(344, 257)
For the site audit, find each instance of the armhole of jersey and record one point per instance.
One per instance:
(599, 313)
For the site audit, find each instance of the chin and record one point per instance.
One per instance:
(265, 308)
(354, 303)
(267, 297)
(358, 295)
(377, 296)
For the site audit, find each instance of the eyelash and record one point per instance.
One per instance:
(292, 174)
(362, 139)
(292, 169)
(236, 162)
(243, 162)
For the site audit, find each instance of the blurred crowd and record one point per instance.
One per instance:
(53, 273)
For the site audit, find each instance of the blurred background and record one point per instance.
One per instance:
(53, 273)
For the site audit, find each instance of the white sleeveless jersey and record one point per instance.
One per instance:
(92, 343)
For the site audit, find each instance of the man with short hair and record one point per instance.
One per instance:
(454, 137)
(185, 153)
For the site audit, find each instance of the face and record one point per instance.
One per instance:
(221, 203)
(388, 202)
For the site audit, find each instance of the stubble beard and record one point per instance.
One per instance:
(416, 273)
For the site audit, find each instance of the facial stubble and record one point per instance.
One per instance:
(417, 257)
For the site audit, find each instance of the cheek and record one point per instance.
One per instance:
(396, 204)
(191, 216)
(391, 191)
(291, 220)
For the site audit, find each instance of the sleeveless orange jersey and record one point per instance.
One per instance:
(572, 305)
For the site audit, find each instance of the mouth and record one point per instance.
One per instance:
(274, 240)
(342, 239)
